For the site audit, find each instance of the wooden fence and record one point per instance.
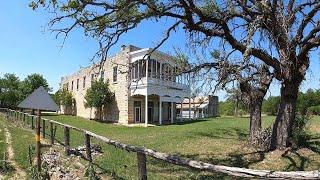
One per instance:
(142, 153)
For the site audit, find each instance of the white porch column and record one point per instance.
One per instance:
(160, 110)
(146, 111)
(171, 112)
(181, 111)
(189, 108)
(160, 75)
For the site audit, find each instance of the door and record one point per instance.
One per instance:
(150, 111)
(137, 114)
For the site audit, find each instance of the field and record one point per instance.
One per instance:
(218, 141)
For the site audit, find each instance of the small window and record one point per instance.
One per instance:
(158, 70)
(102, 76)
(72, 86)
(92, 78)
(115, 73)
(154, 68)
(84, 82)
(77, 84)
(149, 68)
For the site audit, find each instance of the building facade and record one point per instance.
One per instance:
(199, 107)
(147, 88)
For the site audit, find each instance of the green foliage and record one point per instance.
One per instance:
(308, 99)
(91, 173)
(63, 97)
(98, 94)
(33, 82)
(270, 106)
(299, 132)
(227, 108)
(307, 103)
(10, 90)
(315, 110)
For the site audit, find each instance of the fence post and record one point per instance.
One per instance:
(51, 133)
(43, 128)
(66, 140)
(88, 147)
(142, 166)
(32, 123)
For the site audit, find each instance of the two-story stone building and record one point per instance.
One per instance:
(147, 88)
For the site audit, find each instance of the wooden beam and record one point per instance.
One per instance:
(142, 166)
(88, 147)
(38, 144)
(66, 140)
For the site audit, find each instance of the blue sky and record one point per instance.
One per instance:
(26, 47)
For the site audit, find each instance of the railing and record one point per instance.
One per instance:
(142, 153)
(159, 82)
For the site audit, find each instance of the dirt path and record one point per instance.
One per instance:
(19, 174)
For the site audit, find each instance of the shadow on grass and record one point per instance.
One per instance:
(230, 133)
(167, 123)
(313, 144)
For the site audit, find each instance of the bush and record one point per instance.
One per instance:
(314, 110)
(299, 133)
(270, 106)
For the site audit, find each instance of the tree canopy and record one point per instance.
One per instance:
(33, 82)
(280, 34)
(98, 94)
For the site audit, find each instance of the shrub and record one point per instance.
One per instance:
(314, 110)
(299, 133)
(270, 106)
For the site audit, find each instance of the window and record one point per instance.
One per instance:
(158, 70)
(84, 82)
(142, 68)
(115, 73)
(102, 76)
(77, 84)
(149, 68)
(72, 86)
(154, 68)
(136, 70)
(92, 78)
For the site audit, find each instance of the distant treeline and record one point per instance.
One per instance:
(13, 90)
(308, 103)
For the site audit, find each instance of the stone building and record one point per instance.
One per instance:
(201, 107)
(147, 88)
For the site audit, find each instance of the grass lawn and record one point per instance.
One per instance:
(21, 139)
(3, 145)
(219, 141)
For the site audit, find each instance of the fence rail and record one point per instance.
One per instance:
(143, 152)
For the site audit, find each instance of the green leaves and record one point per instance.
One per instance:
(63, 97)
(33, 82)
(98, 94)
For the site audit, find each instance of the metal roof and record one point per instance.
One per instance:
(39, 99)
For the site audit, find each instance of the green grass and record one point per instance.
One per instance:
(3, 144)
(21, 139)
(218, 141)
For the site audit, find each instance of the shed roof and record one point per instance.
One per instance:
(39, 99)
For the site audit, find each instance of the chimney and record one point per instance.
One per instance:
(123, 47)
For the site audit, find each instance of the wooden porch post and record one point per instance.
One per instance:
(146, 111)
(189, 108)
(160, 110)
(181, 109)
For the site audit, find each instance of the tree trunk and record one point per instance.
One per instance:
(282, 127)
(255, 118)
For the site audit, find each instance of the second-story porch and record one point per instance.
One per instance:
(157, 84)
